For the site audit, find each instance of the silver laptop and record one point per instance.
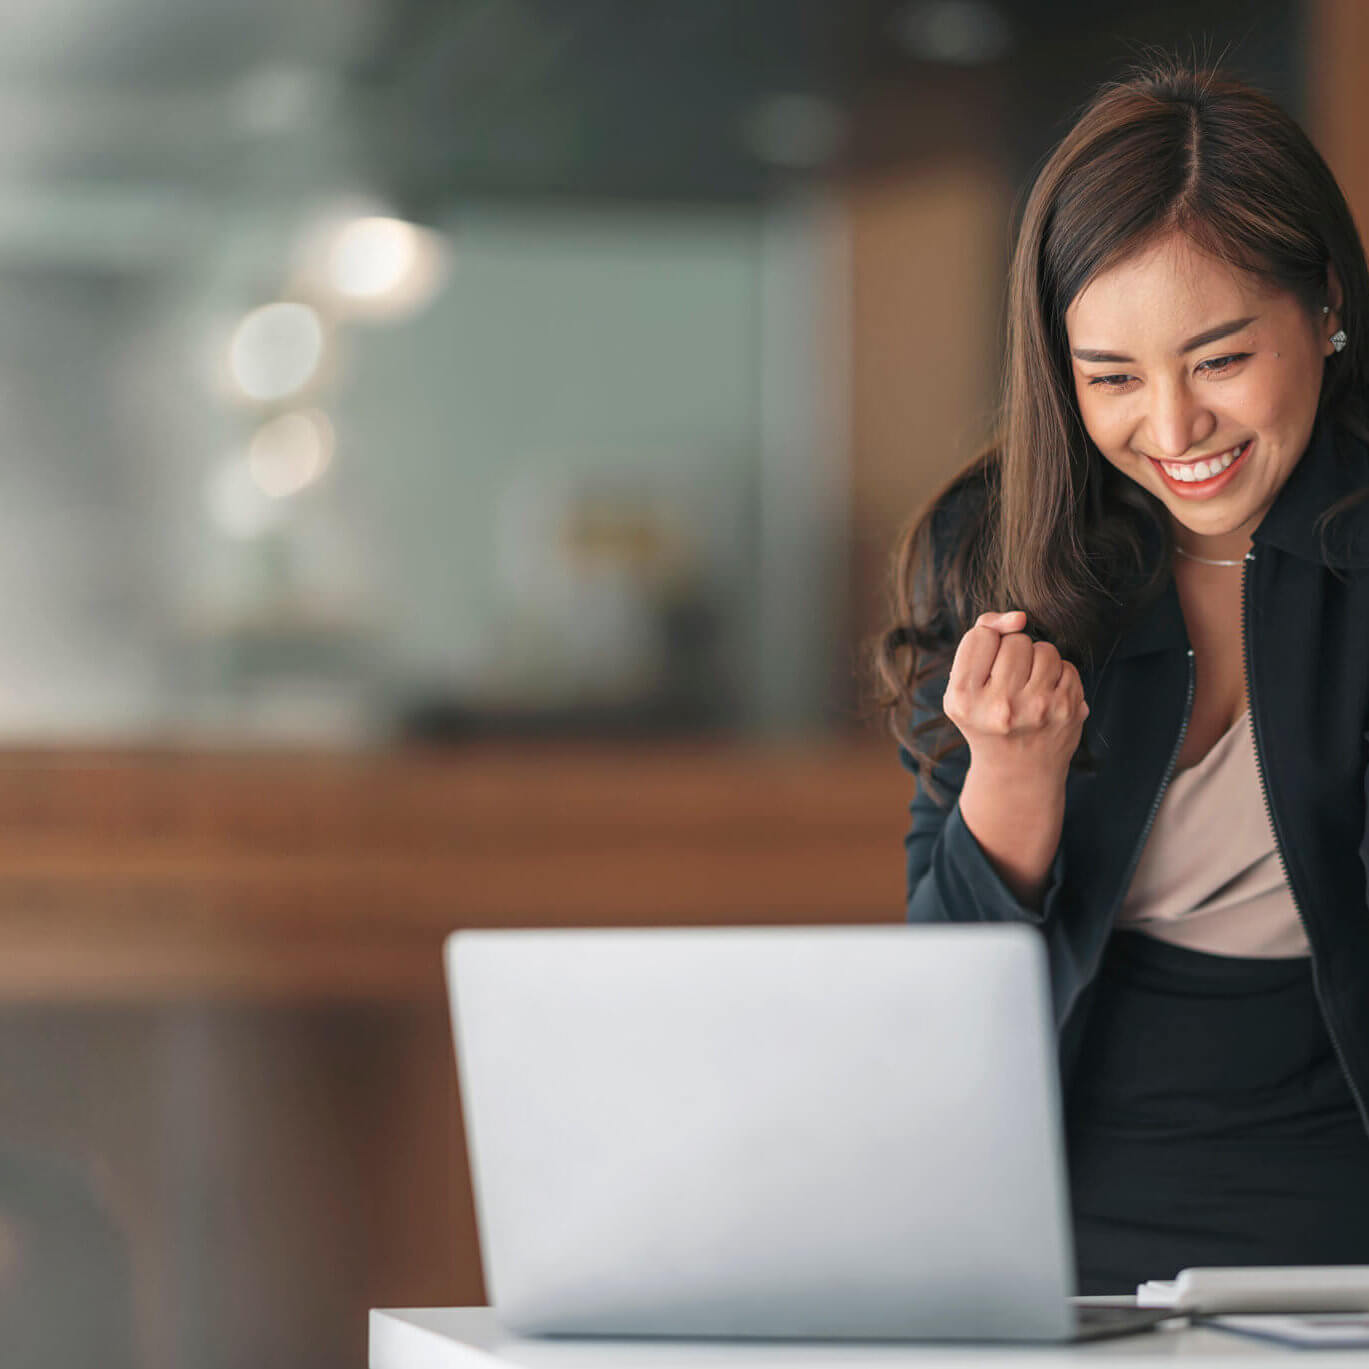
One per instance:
(768, 1132)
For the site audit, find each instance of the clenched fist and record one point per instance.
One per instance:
(1019, 706)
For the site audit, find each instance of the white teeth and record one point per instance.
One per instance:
(1201, 470)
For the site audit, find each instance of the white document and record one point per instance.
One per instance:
(1301, 1288)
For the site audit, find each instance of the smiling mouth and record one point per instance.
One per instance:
(1194, 472)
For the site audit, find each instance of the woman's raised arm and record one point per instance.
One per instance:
(993, 854)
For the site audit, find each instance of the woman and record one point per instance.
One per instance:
(1130, 667)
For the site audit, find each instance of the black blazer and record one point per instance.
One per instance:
(1306, 626)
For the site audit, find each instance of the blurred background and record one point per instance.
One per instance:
(451, 453)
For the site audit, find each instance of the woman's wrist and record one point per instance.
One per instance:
(1016, 816)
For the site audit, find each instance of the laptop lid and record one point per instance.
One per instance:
(770, 1132)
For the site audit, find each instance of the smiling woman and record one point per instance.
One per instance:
(1201, 409)
(1129, 668)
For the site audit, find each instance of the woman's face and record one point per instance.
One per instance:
(1200, 382)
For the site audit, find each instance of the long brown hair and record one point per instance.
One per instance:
(1040, 521)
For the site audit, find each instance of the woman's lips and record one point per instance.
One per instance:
(1204, 489)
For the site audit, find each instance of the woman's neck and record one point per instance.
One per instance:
(1228, 548)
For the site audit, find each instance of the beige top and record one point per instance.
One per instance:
(1209, 877)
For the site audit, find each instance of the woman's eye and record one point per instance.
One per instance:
(1213, 366)
(1216, 365)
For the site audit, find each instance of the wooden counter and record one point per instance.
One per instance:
(141, 876)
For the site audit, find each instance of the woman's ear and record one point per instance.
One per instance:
(1335, 301)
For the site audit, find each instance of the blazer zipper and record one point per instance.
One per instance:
(1246, 620)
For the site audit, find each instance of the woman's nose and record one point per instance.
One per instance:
(1177, 420)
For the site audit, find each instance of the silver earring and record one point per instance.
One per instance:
(1339, 340)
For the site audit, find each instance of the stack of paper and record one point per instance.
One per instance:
(1303, 1288)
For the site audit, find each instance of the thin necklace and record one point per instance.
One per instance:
(1207, 560)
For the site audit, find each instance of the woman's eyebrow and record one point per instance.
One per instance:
(1200, 340)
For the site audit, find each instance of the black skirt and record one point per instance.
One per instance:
(1209, 1121)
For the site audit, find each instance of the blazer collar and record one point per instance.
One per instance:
(1335, 464)
(1159, 626)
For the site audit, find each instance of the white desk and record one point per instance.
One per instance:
(470, 1338)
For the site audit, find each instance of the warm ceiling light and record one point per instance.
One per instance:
(290, 452)
(386, 266)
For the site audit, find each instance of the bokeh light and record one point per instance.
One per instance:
(276, 350)
(385, 266)
(290, 452)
